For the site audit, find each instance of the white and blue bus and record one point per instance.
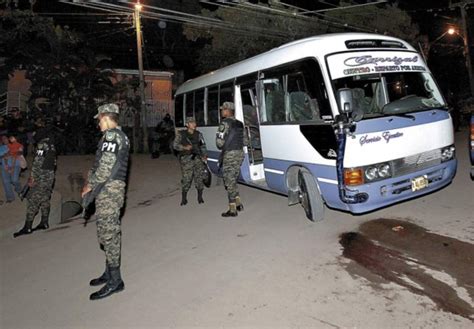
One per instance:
(349, 121)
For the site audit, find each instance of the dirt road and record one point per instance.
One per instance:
(270, 267)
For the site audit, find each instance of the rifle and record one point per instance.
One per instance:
(90, 196)
(24, 191)
(87, 200)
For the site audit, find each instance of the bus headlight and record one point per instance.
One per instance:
(371, 173)
(447, 153)
(367, 174)
(377, 172)
(384, 170)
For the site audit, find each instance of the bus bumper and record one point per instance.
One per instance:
(394, 190)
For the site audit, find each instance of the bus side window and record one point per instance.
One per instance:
(226, 93)
(189, 106)
(199, 107)
(274, 103)
(213, 106)
(178, 111)
(302, 107)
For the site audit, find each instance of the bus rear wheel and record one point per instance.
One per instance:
(309, 196)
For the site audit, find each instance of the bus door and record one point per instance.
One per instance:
(252, 131)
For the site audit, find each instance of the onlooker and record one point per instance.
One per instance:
(3, 152)
(3, 126)
(15, 120)
(163, 137)
(11, 168)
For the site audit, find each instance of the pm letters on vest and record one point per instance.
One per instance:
(109, 147)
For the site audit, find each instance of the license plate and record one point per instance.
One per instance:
(419, 183)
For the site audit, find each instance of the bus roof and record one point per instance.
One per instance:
(317, 46)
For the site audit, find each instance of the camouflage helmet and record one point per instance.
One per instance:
(107, 108)
(190, 119)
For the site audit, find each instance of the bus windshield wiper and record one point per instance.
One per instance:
(404, 115)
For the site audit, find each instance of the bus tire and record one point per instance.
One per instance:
(310, 198)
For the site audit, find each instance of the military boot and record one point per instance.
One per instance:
(232, 212)
(114, 284)
(101, 279)
(184, 198)
(240, 206)
(25, 230)
(43, 225)
(200, 199)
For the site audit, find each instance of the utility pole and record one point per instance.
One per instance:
(143, 120)
(467, 46)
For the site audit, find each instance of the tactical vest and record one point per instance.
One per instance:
(119, 170)
(236, 133)
(46, 153)
(194, 139)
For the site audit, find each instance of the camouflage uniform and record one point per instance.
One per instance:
(42, 178)
(106, 183)
(109, 174)
(232, 158)
(42, 173)
(191, 161)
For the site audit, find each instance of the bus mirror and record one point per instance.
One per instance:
(345, 99)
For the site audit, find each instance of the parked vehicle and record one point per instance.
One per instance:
(351, 121)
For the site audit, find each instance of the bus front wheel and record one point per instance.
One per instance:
(309, 196)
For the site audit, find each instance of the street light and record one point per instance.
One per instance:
(138, 8)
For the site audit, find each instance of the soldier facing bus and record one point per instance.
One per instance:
(192, 150)
(230, 139)
(106, 182)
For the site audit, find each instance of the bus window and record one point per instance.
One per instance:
(226, 93)
(213, 106)
(178, 111)
(274, 101)
(296, 93)
(199, 107)
(189, 107)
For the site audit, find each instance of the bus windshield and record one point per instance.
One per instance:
(392, 93)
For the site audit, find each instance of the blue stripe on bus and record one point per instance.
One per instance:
(325, 176)
(395, 122)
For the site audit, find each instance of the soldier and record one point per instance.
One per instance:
(40, 182)
(230, 139)
(106, 182)
(192, 154)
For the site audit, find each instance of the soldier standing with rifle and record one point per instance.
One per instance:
(192, 155)
(230, 139)
(106, 183)
(40, 182)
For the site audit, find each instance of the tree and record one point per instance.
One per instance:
(383, 19)
(67, 77)
(242, 32)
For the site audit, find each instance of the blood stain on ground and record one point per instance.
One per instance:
(428, 264)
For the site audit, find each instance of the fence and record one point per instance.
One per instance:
(156, 110)
(11, 99)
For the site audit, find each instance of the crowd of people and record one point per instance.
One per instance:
(106, 181)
